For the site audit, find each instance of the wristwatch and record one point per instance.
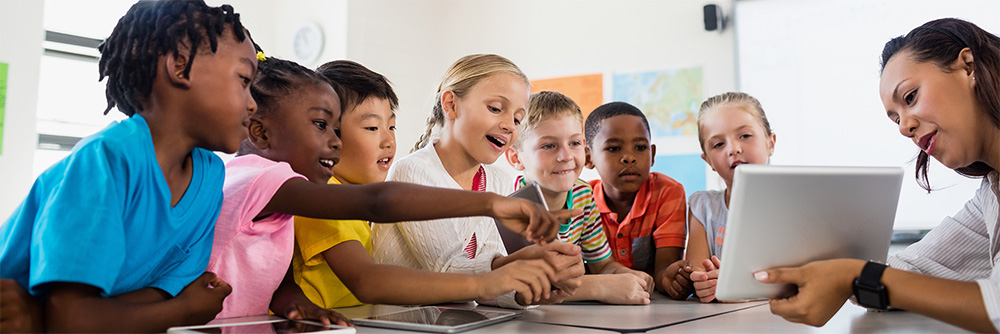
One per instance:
(868, 290)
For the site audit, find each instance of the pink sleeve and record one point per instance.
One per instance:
(251, 181)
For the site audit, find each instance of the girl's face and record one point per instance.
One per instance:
(486, 119)
(734, 136)
(369, 135)
(220, 84)
(553, 153)
(303, 132)
(938, 111)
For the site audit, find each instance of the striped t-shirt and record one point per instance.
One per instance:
(584, 230)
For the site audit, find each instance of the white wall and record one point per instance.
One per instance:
(273, 23)
(21, 38)
(413, 43)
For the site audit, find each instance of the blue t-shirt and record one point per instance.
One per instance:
(102, 217)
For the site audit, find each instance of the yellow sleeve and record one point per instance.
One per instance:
(314, 236)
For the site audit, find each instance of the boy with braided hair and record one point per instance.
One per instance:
(181, 71)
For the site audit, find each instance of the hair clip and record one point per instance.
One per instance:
(260, 56)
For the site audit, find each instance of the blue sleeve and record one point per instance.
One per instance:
(78, 236)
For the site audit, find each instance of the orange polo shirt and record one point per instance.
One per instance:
(657, 220)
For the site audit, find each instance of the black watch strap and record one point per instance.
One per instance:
(868, 288)
(872, 274)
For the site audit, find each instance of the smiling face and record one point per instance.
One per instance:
(486, 119)
(369, 135)
(937, 110)
(622, 154)
(220, 93)
(303, 131)
(553, 153)
(734, 136)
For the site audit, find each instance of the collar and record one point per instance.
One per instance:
(638, 206)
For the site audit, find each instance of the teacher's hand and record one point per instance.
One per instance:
(823, 287)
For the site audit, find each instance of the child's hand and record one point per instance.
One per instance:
(678, 274)
(624, 289)
(706, 281)
(530, 278)
(641, 275)
(203, 297)
(19, 311)
(310, 311)
(531, 220)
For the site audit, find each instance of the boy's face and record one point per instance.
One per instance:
(303, 132)
(553, 153)
(369, 135)
(622, 154)
(220, 103)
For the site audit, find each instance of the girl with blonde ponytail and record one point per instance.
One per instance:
(478, 107)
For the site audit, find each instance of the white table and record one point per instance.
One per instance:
(661, 312)
(850, 319)
(514, 326)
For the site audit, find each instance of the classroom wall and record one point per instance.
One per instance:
(21, 38)
(414, 42)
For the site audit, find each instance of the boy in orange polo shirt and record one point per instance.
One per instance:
(643, 213)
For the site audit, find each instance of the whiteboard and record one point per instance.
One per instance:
(813, 64)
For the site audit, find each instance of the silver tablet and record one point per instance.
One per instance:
(511, 240)
(276, 326)
(437, 319)
(783, 216)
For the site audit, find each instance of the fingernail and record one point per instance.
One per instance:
(760, 275)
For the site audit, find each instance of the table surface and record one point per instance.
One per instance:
(850, 319)
(665, 315)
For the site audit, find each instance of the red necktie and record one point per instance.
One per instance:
(478, 184)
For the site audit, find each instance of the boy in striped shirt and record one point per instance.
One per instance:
(552, 151)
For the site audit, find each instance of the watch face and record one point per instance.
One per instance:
(868, 298)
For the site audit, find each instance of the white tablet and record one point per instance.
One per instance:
(437, 319)
(277, 326)
(783, 216)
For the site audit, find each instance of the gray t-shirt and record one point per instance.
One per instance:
(709, 206)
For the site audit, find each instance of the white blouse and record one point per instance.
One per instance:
(439, 245)
(964, 247)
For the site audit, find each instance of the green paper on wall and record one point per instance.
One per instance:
(3, 99)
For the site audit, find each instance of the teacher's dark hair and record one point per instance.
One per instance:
(940, 41)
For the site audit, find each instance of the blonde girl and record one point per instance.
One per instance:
(479, 105)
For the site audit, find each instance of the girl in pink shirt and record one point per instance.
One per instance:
(282, 170)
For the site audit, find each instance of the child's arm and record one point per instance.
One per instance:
(704, 271)
(75, 307)
(388, 284)
(19, 311)
(398, 201)
(612, 289)
(292, 303)
(697, 250)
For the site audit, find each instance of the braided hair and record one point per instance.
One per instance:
(276, 80)
(151, 29)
